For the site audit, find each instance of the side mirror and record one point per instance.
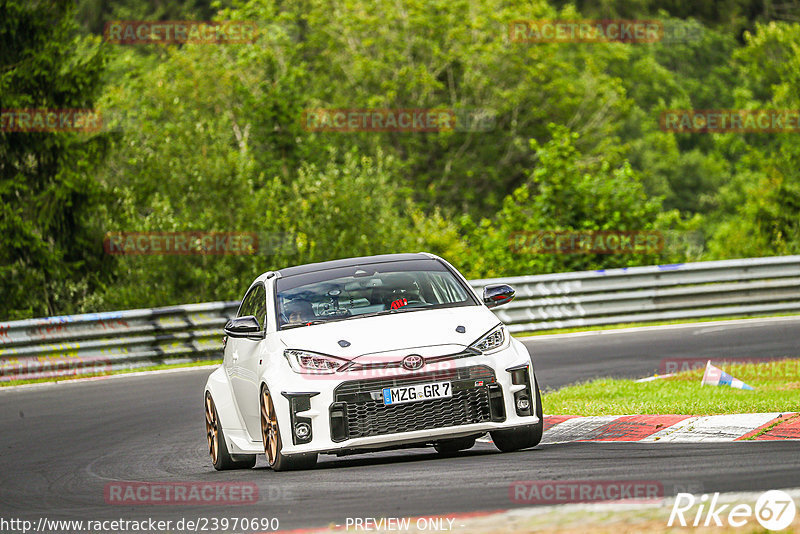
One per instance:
(246, 326)
(497, 294)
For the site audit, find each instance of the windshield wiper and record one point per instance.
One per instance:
(358, 316)
(402, 309)
(410, 307)
(374, 314)
(316, 321)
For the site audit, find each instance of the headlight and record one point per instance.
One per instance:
(303, 361)
(491, 342)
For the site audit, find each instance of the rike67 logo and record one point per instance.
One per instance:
(774, 510)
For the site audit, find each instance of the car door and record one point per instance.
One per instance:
(230, 352)
(232, 347)
(244, 356)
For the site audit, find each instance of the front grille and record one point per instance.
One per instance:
(360, 411)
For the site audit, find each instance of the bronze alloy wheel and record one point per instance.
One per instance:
(217, 448)
(212, 429)
(269, 427)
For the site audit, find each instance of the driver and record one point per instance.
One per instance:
(299, 311)
(405, 291)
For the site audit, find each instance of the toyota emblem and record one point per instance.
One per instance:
(412, 362)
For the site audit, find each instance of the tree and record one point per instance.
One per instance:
(51, 256)
(566, 191)
(759, 211)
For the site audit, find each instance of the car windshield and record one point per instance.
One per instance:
(368, 290)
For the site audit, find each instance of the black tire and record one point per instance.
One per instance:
(271, 438)
(217, 448)
(523, 437)
(452, 446)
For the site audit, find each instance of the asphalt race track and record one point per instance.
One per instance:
(61, 444)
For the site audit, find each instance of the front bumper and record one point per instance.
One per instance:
(348, 415)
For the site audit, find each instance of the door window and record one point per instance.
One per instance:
(255, 303)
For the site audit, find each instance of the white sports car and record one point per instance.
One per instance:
(368, 354)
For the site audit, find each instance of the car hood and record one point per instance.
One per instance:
(434, 330)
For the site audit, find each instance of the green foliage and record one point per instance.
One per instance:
(210, 138)
(774, 383)
(93, 14)
(51, 257)
(566, 191)
(759, 212)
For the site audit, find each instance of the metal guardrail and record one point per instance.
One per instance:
(755, 286)
(101, 342)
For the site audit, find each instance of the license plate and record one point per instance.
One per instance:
(417, 392)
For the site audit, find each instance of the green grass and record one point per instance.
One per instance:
(653, 323)
(777, 389)
(118, 372)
